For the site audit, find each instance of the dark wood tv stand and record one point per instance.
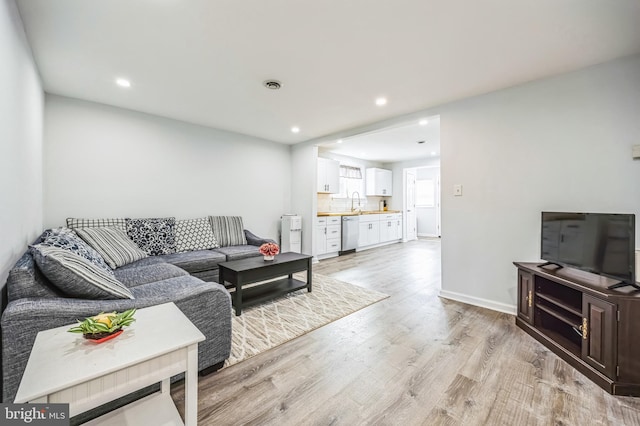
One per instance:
(594, 329)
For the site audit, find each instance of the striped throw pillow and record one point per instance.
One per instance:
(75, 223)
(75, 276)
(229, 230)
(113, 244)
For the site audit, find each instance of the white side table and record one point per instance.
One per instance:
(66, 368)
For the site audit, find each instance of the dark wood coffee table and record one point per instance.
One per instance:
(255, 269)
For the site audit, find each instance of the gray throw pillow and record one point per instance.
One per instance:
(229, 230)
(194, 234)
(75, 276)
(113, 244)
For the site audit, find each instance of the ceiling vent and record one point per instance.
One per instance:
(272, 84)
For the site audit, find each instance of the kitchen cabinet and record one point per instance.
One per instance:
(379, 182)
(328, 235)
(328, 176)
(369, 230)
(399, 226)
(390, 227)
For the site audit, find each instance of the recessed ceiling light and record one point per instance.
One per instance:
(123, 82)
(433, 153)
(424, 122)
(381, 101)
(339, 140)
(295, 129)
(272, 84)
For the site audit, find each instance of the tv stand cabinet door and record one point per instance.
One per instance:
(525, 296)
(599, 342)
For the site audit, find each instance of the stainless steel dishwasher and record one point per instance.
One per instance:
(350, 233)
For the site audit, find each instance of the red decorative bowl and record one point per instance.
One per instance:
(102, 337)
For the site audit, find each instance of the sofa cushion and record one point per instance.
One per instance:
(113, 244)
(194, 234)
(75, 276)
(229, 230)
(195, 261)
(132, 277)
(210, 276)
(151, 260)
(156, 236)
(75, 223)
(26, 280)
(68, 240)
(239, 252)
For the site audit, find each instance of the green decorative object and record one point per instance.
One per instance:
(104, 324)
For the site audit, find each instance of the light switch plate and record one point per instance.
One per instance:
(636, 152)
(457, 190)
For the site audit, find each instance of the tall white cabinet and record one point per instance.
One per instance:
(328, 176)
(379, 182)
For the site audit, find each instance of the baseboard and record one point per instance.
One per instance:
(386, 243)
(478, 301)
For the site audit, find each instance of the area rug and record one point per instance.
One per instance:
(271, 324)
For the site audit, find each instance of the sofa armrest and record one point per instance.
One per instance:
(207, 305)
(254, 240)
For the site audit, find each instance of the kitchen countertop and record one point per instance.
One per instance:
(348, 213)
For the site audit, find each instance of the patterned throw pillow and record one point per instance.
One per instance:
(113, 244)
(154, 236)
(66, 239)
(55, 231)
(75, 276)
(194, 234)
(229, 230)
(75, 223)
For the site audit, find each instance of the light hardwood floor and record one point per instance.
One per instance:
(413, 358)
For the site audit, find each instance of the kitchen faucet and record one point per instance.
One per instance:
(352, 197)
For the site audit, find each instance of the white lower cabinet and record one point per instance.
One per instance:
(328, 235)
(390, 227)
(379, 229)
(369, 230)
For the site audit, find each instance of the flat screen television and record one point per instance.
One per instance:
(601, 243)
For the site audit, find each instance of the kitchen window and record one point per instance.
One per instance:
(350, 181)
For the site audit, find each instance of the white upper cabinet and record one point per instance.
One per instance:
(328, 176)
(379, 182)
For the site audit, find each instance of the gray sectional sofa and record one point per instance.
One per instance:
(186, 278)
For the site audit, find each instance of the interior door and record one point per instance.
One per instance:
(411, 224)
(427, 201)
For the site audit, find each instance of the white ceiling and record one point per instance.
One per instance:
(204, 61)
(396, 143)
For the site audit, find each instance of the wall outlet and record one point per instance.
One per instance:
(635, 153)
(457, 190)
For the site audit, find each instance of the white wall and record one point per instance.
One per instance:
(563, 143)
(304, 172)
(103, 161)
(21, 110)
